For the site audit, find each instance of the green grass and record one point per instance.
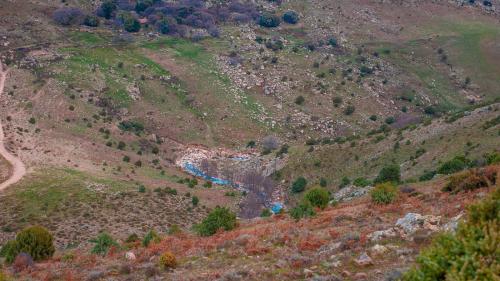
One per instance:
(87, 38)
(43, 193)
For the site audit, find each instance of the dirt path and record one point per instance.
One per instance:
(18, 168)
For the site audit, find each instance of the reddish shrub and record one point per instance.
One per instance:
(22, 262)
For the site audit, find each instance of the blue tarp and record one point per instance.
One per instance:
(190, 168)
(276, 208)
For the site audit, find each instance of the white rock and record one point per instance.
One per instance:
(130, 256)
(379, 249)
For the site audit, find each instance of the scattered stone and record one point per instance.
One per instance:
(379, 250)
(412, 222)
(346, 273)
(360, 276)
(364, 260)
(382, 234)
(394, 275)
(130, 256)
(95, 275)
(351, 192)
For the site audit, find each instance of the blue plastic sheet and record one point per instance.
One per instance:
(192, 169)
(276, 208)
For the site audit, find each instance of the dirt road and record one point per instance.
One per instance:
(18, 168)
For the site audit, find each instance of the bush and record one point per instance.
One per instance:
(68, 16)
(345, 181)
(151, 237)
(472, 179)
(469, 254)
(219, 218)
(427, 176)
(103, 243)
(167, 260)
(318, 197)
(265, 213)
(35, 241)
(493, 158)
(300, 100)
(107, 9)
(384, 193)
(303, 210)
(269, 20)
(454, 165)
(361, 182)
(291, 17)
(195, 200)
(91, 20)
(130, 23)
(9, 251)
(391, 173)
(349, 110)
(299, 185)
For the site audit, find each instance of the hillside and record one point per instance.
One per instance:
(131, 116)
(355, 240)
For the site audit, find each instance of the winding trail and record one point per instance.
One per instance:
(18, 168)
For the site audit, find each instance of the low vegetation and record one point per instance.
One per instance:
(469, 254)
(219, 219)
(384, 193)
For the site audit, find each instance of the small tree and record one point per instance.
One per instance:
(391, 173)
(219, 218)
(299, 185)
(195, 200)
(318, 197)
(91, 20)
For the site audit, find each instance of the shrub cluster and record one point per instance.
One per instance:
(103, 243)
(318, 197)
(384, 193)
(151, 237)
(391, 173)
(454, 165)
(472, 179)
(303, 210)
(35, 241)
(219, 218)
(299, 185)
(469, 254)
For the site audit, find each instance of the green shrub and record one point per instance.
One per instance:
(130, 23)
(219, 218)
(345, 181)
(323, 182)
(103, 242)
(427, 176)
(469, 254)
(318, 197)
(384, 193)
(9, 251)
(265, 213)
(303, 210)
(269, 20)
(35, 241)
(391, 173)
(493, 158)
(151, 237)
(299, 185)
(361, 182)
(195, 200)
(349, 110)
(457, 164)
(91, 20)
(132, 238)
(291, 17)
